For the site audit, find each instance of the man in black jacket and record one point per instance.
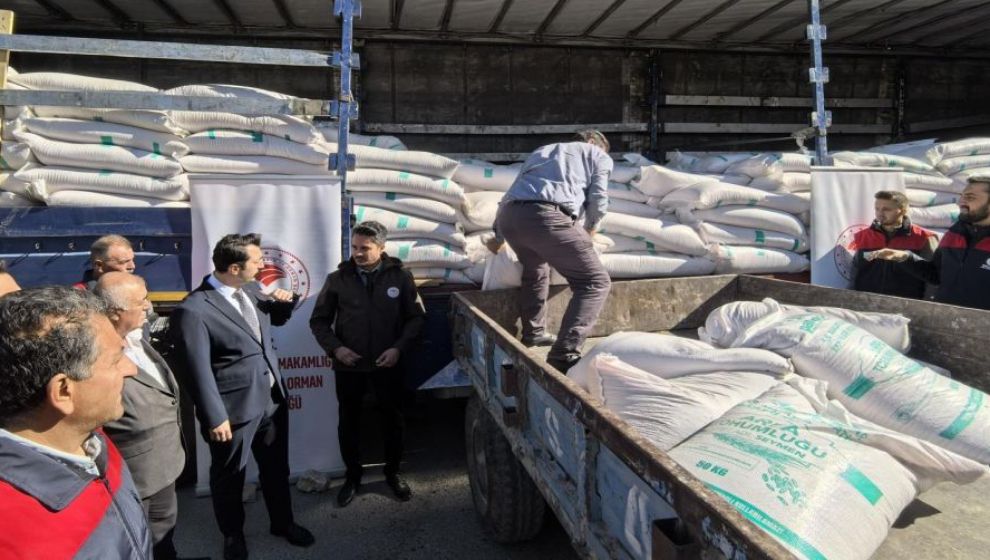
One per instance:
(367, 315)
(961, 265)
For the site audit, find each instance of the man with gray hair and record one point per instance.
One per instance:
(65, 491)
(538, 216)
(367, 315)
(108, 253)
(148, 434)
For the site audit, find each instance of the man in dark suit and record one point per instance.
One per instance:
(148, 435)
(223, 335)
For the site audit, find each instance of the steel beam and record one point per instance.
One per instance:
(791, 24)
(164, 102)
(818, 76)
(118, 15)
(395, 14)
(284, 13)
(554, 11)
(749, 22)
(55, 10)
(224, 7)
(497, 22)
(171, 11)
(887, 23)
(601, 19)
(166, 50)
(968, 13)
(448, 11)
(653, 19)
(704, 19)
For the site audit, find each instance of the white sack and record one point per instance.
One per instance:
(158, 121)
(73, 82)
(630, 208)
(729, 322)
(877, 382)
(103, 200)
(444, 275)
(941, 216)
(749, 217)
(921, 197)
(826, 485)
(403, 226)
(382, 180)
(480, 209)
(951, 166)
(652, 264)
(734, 235)
(623, 173)
(624, 191)
(874, 159)
(40, 182)
(427, 253)
(421, 163)
(408, 204)
(658, 181)
(930, 182)
(241, 143)
(666, 412)
(283, 126)
(715, 195)
(675, 237)
(13, 200)
(485, 177)
(785, 182)
(742, 180)
(329, 131)
(108, 134)
(668, 357)
(95, 156)
(612, 243)
(959, 148)
(249, 165)
(718, 163)
(755, 260)
(503, 270)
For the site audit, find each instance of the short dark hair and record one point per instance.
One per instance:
(375, 230)
(593, 136)
(44, 332)
(232, 249)
(979, 180)
(898, 198)
(3, 267)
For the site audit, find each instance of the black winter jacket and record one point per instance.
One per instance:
(961, 267)
(368, 320)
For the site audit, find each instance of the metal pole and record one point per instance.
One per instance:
(345, 11)
(818, 76)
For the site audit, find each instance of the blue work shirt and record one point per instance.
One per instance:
(573, 175)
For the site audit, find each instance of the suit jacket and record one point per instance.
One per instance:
(226, 364)
(149, 435)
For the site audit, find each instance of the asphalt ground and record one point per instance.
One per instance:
(439, 522)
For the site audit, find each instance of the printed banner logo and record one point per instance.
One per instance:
(285, 270)
(845, 249)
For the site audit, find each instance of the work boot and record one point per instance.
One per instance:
(347, 492)
(295, 534)
(399, 487)
(563, 364)
(539, 340)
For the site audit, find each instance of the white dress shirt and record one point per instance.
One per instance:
(92, 447)
(135, 351)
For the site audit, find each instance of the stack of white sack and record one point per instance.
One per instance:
(412, 195)
(931, 194)
(70, 156)
(821, 481)
(748, 230)
(773, 172)
(484, 184)
(870, 377)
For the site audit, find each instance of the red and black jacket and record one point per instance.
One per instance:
(961, 267)
(888, 277)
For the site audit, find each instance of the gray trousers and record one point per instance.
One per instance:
(543, 236)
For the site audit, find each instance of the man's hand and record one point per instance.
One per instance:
(388, 358)
(494, 244)
(591, 231)
(222, 432)
(891, 255)
(282, 295)
(346, 356)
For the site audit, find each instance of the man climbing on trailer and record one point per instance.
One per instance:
(539, 217)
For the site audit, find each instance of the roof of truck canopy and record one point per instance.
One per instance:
(933, 26)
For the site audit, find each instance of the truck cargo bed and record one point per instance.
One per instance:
(612, 490)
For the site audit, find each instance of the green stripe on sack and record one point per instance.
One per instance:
(374, 141)
(403, 222)
(390, 196)
(257, 136)
(106, 140)
(105, 172)
(212, 134)
(797, 243)
(404, 251)
(446, 249)
(156, 148)
(761, 237)
(776, 529)
(966, 417)
(4, 164)
(859, 387)
(404, 175)
(862, 484)
(489, 173)
(359, 214)
(445, 183)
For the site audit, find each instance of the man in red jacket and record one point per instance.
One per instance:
(65, 491)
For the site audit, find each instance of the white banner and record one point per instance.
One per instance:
(299, 222)
(841, 205)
